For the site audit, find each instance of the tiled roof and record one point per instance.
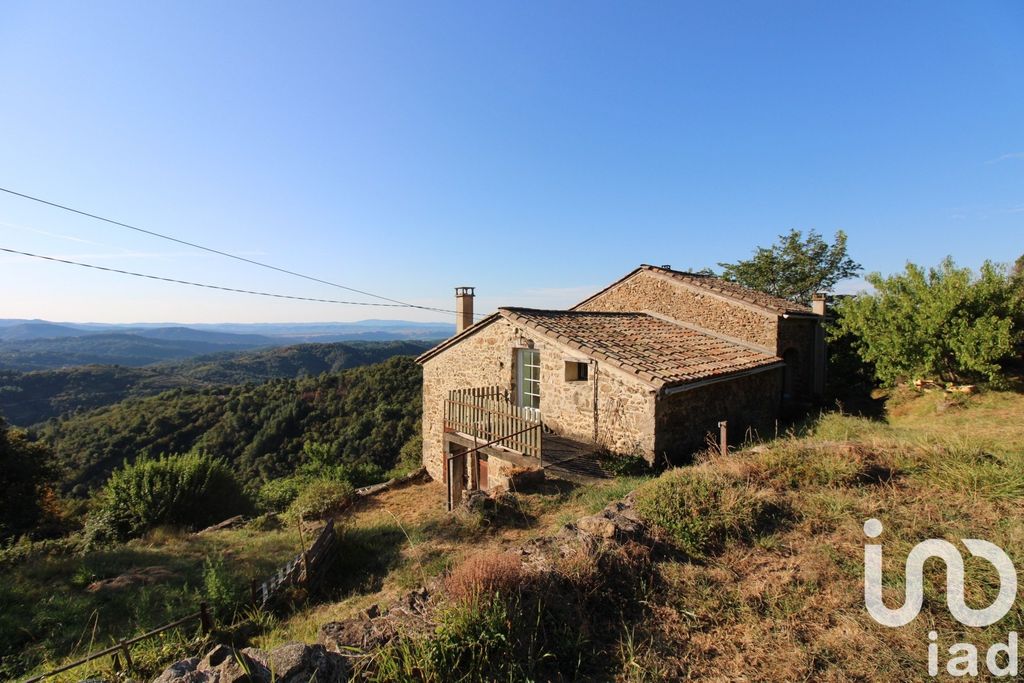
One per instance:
(656, 350)
(728, 289)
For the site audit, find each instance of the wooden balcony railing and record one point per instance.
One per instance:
(488, 413)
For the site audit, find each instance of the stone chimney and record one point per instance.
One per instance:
(463, 308)
(819, 305)
(819, 300)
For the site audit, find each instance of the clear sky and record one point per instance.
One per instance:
(536, 150)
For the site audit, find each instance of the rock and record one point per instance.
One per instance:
(176, 672)
(348, 636)
(237, 520)
(241, 669)
(477, 501)
(301, 663)
(597, 525)
(214, 657)
(132, 577)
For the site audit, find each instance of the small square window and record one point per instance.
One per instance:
(576, 371)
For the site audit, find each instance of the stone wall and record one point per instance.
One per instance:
(481, 359)
(684, 420)
(625, 405)
(647, 291)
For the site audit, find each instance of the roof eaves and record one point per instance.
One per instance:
(678, 386)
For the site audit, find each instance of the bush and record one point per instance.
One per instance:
(624, 465)
(484, 576)
(320, 498)
(223, 591)
(701, 510)
(191, 491)
(277, 494)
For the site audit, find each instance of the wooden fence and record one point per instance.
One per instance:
(305, 569)
(121, 650)
(488, 413)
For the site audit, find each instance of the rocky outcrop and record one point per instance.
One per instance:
(290, 663)
(618, 521)
(373, 628)
(132, 577)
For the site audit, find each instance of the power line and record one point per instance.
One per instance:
(200, 284)
(218, 252)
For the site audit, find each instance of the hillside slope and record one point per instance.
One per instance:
(757, 573)
(29, 398)
(366, 414)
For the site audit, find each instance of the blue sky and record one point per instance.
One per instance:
(535, 150)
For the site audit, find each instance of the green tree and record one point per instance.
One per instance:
(25, 470)
(795, 267)
(941, 323)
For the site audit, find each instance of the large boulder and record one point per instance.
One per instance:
(222, 664)
(178, 671)
(301, 663)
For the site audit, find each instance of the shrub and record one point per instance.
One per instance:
(192, 491)
(320, 498)
(624, 465)
(277, 494)
(223, 590)
(701, 509)
(485, 575)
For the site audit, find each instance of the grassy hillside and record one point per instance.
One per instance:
(761, 572)
(28, 398)
(759, 575)
(364, 414)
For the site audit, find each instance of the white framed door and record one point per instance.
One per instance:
(528, 379)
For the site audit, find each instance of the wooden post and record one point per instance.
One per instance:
(723, 438)
(129, 665)
(302, 544)
(205, 620)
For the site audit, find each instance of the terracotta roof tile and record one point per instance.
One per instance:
(652, 348)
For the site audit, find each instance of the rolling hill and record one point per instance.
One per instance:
(29, 345)
(363, 414)
(32, 397)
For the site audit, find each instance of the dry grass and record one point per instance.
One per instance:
(789, 606)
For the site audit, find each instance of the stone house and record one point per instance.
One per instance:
(648, 366)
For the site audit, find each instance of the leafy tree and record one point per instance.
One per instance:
(945, 323)
(796, 267)
(25, 470)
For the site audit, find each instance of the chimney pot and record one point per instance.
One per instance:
(463, 308)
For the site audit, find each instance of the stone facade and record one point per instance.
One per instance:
(685, 420)
(649, 291)
(613, 408)
(623, 420)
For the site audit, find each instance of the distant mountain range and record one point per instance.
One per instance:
(27, 345)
